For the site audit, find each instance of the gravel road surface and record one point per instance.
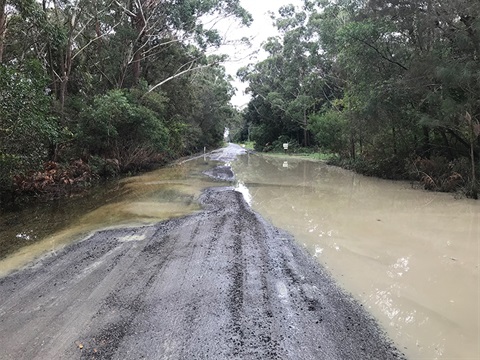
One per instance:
(220, 284)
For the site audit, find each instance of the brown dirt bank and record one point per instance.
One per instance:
(220, 284)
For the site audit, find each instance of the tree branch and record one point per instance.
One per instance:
(91, 41)
(379, 53)
(191, 68)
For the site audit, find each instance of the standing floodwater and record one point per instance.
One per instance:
(410, 256)
(135, 201)
(221, 283)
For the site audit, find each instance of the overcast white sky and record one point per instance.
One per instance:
(260, 30)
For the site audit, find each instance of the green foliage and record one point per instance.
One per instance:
(116, 122)
(329, 129)
(120, 84)
(286, 86)
(376, 82)
(27, 130)
(250, 145)
(210, 93)
(261, 136)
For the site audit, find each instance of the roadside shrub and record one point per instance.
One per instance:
(260, 135)
(54, 178)
(390, 167)
(329, 129)
(117, 127)
(105, 168)
(440, 174)
(293, 145)
(27, 129)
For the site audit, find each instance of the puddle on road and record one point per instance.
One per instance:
(411, 257)
(145, 199)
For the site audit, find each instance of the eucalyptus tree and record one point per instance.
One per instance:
(154, 26)
(211, 110)
(27, 130)
(410, 72)
(147, 57)
(389, 81)
(115, 41)
(291, 80)
(3, 26)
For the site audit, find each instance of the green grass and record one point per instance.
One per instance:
(303, 155)
(249, 145)
(308, 156)
(319, 156)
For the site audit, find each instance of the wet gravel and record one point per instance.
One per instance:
(221, 173)
(219, 284)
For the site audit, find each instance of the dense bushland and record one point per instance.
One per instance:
(391, 87)
(92, 89)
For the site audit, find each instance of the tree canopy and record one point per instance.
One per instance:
(392, 87)
(109, 82)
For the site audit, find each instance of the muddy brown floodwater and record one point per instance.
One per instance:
(221, 283)
(136, 201)
(410, 256)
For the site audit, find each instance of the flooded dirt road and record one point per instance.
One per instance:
(411, 257)
(221, 283)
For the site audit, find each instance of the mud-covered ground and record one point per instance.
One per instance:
(219, 284)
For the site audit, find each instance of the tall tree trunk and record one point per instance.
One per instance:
(352, 145)
(63, 93)
(63, 82)
(136, 68)
(394, 138)
(451, 156)
(139, 26)
(473, 136)
(305, 128)
(426, 142)
(3, 27)
(65, 70)
(50, 59)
